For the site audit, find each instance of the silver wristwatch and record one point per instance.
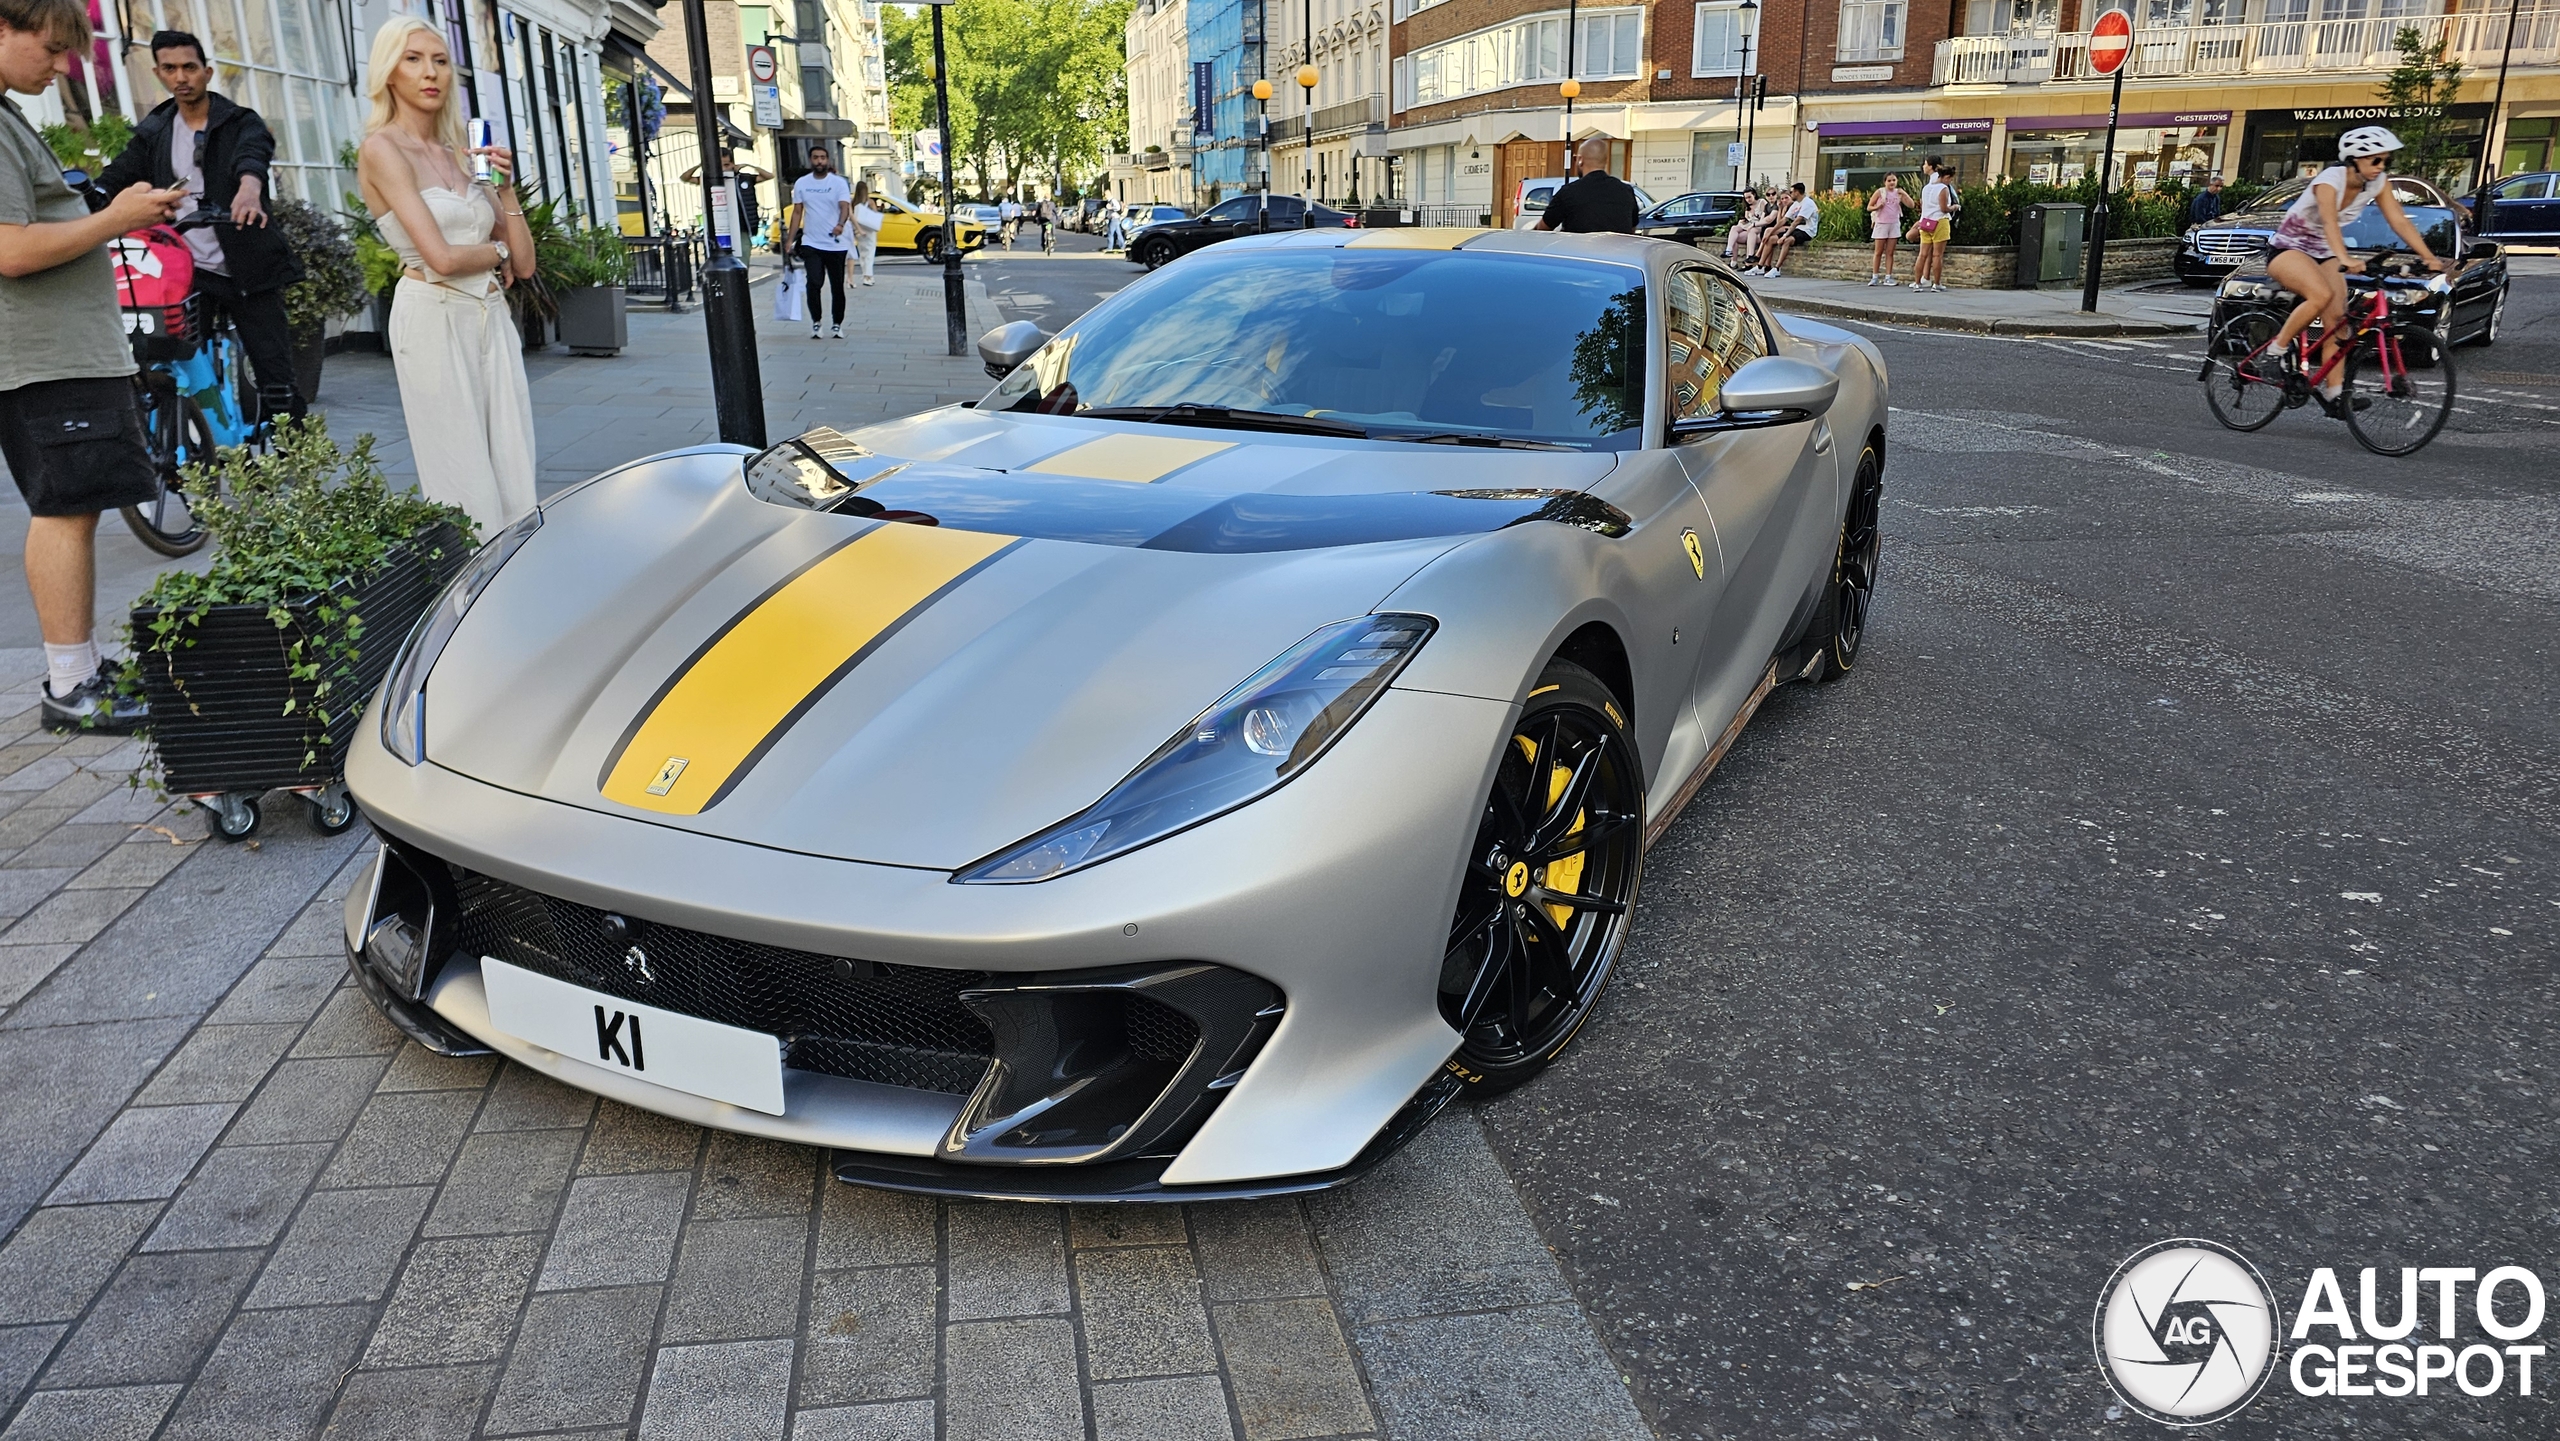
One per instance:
(503, 254)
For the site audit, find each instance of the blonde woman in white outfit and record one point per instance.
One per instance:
(454, 342)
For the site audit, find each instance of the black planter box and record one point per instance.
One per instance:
(218, 717)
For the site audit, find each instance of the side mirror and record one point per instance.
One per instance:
(1008, 346)
(2483, 250)
(1773, 390)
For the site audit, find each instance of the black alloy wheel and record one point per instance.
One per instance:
(1153, 254)
(1853, 569)
(929, 245)
(1550, 884)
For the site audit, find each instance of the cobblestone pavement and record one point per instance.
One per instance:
(237, 1204)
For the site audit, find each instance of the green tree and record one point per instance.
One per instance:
(1035, 84)
(2419, 91)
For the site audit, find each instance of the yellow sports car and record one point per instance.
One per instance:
(903, 227)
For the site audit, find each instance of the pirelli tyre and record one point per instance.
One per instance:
(1550, 884)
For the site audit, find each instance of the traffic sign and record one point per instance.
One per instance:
(2110, 41)
(762, 66)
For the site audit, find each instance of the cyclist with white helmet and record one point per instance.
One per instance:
(2309, 249)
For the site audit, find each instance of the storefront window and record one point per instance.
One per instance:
(2529, 144)
(1862, 164)
(2282, 145)
(2146, 159)
(278, 58)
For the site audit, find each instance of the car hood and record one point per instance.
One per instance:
(672, 647)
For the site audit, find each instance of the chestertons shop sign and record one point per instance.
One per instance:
(2188, 1332)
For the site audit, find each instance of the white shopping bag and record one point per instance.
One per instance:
(787, 293)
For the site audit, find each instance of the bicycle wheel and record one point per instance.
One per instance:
(175, 433)
(2242, 398)
(2399, 390)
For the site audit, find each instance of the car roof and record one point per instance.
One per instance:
(1654, 257)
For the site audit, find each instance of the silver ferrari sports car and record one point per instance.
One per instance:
(1176, 774)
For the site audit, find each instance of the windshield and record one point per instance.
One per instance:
(2372, 231)
(1394, 344)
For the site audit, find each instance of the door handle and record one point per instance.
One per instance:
(1822, 437)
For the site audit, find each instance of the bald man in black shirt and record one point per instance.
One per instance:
(1595, 202)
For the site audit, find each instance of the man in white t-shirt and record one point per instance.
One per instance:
(1937, 222)
(821, 217)
(1803, 218)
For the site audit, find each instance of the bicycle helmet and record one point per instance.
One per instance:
(2366, 140)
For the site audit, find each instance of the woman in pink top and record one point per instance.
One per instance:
(1886, 208)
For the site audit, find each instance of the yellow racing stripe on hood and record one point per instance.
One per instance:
(738, 695)
(1141, 459)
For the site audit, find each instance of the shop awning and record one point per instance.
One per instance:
(2129, 120)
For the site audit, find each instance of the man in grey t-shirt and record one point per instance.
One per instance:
(68, 427)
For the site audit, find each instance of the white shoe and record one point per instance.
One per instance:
(1873, 279)
(866, 280)
(836, 332)
(1890, 282)
(814, 329)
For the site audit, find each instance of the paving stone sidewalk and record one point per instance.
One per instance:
(238, 1204)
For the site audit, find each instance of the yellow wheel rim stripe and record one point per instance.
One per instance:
(742, 691)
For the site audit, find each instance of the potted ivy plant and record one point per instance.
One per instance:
(332, 286)
(593, 319)
(258, 667)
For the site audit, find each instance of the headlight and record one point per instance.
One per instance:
(404, 709)
(1251, 742)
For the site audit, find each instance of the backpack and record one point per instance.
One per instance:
(155, 273)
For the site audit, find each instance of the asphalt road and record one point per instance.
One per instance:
(1050, 290)
(2178, 862)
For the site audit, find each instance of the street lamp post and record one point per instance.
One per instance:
(1571, 86)
(955, 303)
(728, 313)
(1748, 14)
(1307, 78)
(1262, 130)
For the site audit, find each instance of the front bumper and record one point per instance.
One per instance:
(1335, 890)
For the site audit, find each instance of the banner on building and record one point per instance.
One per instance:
(1202, 94)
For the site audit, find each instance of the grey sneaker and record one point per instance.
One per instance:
(95, 705)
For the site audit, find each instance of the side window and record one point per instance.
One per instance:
(2525, 187)
(1713, 332)
(1233, 209)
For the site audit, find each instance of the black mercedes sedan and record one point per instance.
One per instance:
(1240, 215)
(2470, 315)
(2209, 251)
(2525, 208)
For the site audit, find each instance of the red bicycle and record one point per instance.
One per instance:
(2395, 394)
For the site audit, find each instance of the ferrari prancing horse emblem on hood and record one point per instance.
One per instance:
(1697, 552)
(667, 774)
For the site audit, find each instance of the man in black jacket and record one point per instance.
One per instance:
(219, 152)
(1596, 201)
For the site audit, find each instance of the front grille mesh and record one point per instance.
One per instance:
(896, 1025)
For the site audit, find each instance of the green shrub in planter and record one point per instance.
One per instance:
(257, 667)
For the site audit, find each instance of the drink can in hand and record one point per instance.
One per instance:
(483, 135)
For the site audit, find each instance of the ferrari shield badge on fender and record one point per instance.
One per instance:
(1697, 552)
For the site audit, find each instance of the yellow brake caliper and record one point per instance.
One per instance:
(1563, 876)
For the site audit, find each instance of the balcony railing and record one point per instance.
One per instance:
(1357, 114)
(2291, 47)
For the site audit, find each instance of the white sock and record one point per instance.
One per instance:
(67, 667)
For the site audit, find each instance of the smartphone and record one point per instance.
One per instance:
(483, 134)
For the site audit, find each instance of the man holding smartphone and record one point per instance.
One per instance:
(68, 427)
(218, 153)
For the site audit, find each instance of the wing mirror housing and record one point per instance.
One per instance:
(1008, 346)
(1773, 390)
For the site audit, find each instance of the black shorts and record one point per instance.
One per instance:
(75, 446)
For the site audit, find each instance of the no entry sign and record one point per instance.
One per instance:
(2110, 41)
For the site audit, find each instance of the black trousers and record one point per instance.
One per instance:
(830, 264)
(264, 333)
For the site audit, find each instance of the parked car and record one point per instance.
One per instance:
(2210, 251)
(1085, 215)
(1168, 239)
(2478, 302)
(1693, 217)
(1176, 776)
(904, 227)
(1529, 206)
(1142, 215)
(2525, 207)
(986, 215)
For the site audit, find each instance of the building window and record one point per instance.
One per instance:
(1870, 29)
(1528, 51)
(1717, 47)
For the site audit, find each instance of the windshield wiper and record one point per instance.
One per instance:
(1493, 442)
(1187, 413)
